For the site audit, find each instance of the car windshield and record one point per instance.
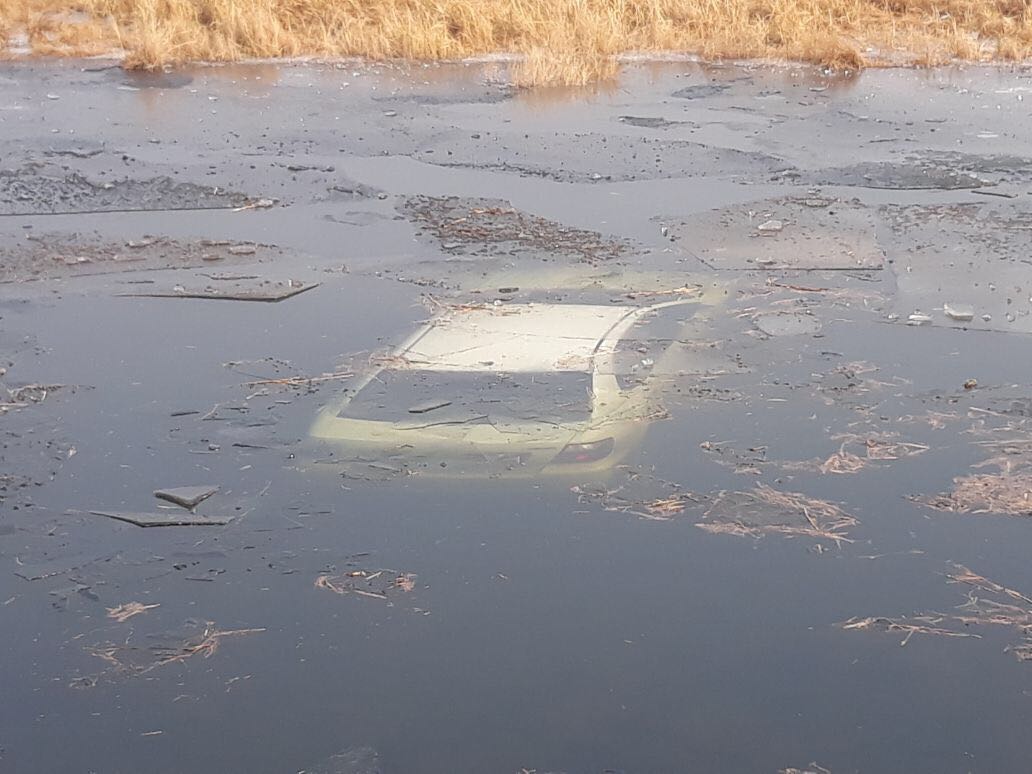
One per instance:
(441, 397)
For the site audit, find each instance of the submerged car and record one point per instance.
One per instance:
(518, 389)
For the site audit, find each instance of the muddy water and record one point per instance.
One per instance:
(695, 600)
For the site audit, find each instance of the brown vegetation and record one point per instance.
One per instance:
(560, 41)
(131, 659)
(988, 604)
(1008, 492)
(377, 584)
(767, 511)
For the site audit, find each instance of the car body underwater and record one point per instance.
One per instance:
(512, 390)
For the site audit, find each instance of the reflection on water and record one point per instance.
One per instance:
(168, 94)
(736, 533)
(548, 97)
(528, 496)
(256, 80)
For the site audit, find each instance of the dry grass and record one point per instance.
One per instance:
(123, 613)
(962, 574)
(1008, 492)
(139, 660)
(767, 511)
(562, 41)
(812, 768)
(988, 604)
(376, 584)
(919, 624)
(640, 504)
(876, 447)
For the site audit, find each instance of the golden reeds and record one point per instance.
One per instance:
(558, 41)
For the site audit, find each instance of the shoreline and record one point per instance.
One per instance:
(546, 42)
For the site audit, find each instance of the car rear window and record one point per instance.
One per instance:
(432, 397)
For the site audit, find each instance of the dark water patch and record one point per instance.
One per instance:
(652, 122)
(770, 451)
(701, 90)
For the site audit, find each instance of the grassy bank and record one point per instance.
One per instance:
(562, 41)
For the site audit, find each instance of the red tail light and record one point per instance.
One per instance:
(585, 452)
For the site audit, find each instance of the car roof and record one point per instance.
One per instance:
(514, 338)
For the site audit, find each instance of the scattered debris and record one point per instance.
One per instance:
(26, 395)
(937, 420)
(749, 461)
(875, 447)
(811, 768)
(988, 604)
(963, 574)
(55, 567)
(301, 381)
(123, 613)
(196, 639)
(642, 495)
(479, 226)
(162, 519)
(377, 584)
(921, 624)
(843, 461)
(256, 204)
(406, 582)
(851, 385)
(684, 290)
(765, 510)
(664, 508)
(265, 372)
(188, 497)
(1008, 493)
